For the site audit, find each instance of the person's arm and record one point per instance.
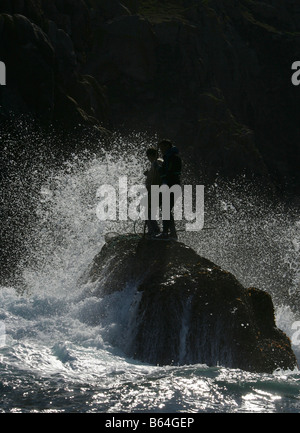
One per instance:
(163, 175)
(175, 166)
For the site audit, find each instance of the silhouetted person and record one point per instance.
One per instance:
(152, 178)
(170, 174)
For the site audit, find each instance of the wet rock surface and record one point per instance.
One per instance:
(190, 310)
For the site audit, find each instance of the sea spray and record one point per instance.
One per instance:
(186, 316)
(246, 234)
(65, 348)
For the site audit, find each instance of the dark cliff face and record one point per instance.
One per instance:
(215, 76)
(190, 310)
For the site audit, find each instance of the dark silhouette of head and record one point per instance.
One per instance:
(165, 145)
(152, 154)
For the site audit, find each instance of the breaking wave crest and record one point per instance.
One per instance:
(60, 338)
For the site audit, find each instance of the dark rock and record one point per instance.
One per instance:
(155, 60)
(244, 49)
(110, 9)
(128, 48)
(223, 142)
(190, 310)
(131, 5)
(32, 9)
(73, 17)
(43, 80)
(29, 58)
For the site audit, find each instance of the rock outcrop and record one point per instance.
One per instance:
(190, 310)
(44, 81)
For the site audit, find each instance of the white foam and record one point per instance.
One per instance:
(60, 317)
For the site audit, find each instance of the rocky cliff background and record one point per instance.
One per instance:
(213, 75)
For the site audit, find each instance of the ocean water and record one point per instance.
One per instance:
(62, 348)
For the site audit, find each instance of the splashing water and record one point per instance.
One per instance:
(64, 347)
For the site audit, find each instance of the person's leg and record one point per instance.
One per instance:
(152, 224)
(166, 226)
(153, 227)
(170, 223)
(172, 228)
